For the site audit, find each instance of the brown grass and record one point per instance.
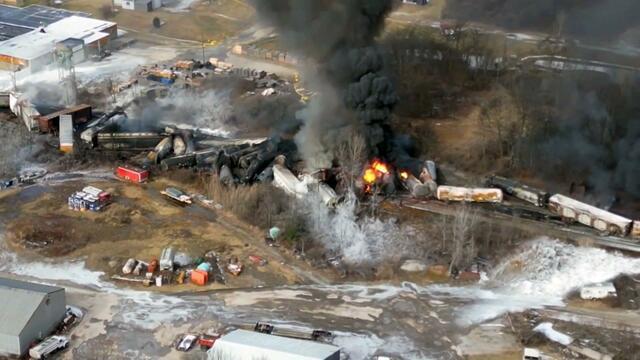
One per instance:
(258, 204)
(203, 23)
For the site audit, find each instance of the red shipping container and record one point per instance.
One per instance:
(199, 277)
(132, 174)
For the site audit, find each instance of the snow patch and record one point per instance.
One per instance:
(546, 328)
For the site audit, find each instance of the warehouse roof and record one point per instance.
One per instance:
(8, 31)
(37, 43)
(302, 349)
(20, 300)
(34, 16)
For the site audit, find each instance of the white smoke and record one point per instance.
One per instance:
(209, 109)
(542, 273)
(358, 240)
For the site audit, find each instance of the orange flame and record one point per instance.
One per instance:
(376, 170)
(369, 176)
(404, 175)
(380, 167)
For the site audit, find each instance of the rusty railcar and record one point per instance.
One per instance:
(454, 193)
(573, 210)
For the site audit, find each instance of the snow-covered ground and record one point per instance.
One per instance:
(367, 319)
(541, 274)
(547, 329)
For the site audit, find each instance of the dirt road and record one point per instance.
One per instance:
(139, 223)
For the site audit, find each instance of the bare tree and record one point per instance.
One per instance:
(463, 241)
(352, 154)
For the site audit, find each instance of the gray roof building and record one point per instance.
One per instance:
(29, 312)
(251, 345)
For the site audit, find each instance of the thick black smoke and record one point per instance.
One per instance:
(588, 132)
(337, 38)
(586, 19)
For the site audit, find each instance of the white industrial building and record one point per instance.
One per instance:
(34, 50)
(251, 345)
(138, 5)
(29, 312)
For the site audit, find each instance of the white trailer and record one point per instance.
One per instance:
(574, 210)
(251, 345)
(48, 346)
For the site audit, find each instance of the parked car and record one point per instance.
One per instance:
(48, 346)
(187, 342)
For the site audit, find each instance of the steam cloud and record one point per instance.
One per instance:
(338, 40)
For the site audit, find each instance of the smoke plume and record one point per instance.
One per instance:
(588, 19)
(210, 109)
(345, 67)
(589, 132)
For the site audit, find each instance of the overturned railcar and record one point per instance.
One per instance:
(604, 221)
(518, 190)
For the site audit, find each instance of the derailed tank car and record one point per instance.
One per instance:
(518, 190)
(453, 193)
(574, 210)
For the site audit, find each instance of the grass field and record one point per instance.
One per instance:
(204, 22)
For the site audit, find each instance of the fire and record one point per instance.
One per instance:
(376, 170)
(404, 175)
(369, 176)
(380, 167)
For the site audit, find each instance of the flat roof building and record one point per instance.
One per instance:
(34, 50)
(34, 16)
(251, 345)
(29, 312)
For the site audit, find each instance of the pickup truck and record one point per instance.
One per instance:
(48, 346)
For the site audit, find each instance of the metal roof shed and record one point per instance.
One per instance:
(251, 345)
(29, 311)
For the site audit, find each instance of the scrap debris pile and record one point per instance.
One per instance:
(180, 268)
